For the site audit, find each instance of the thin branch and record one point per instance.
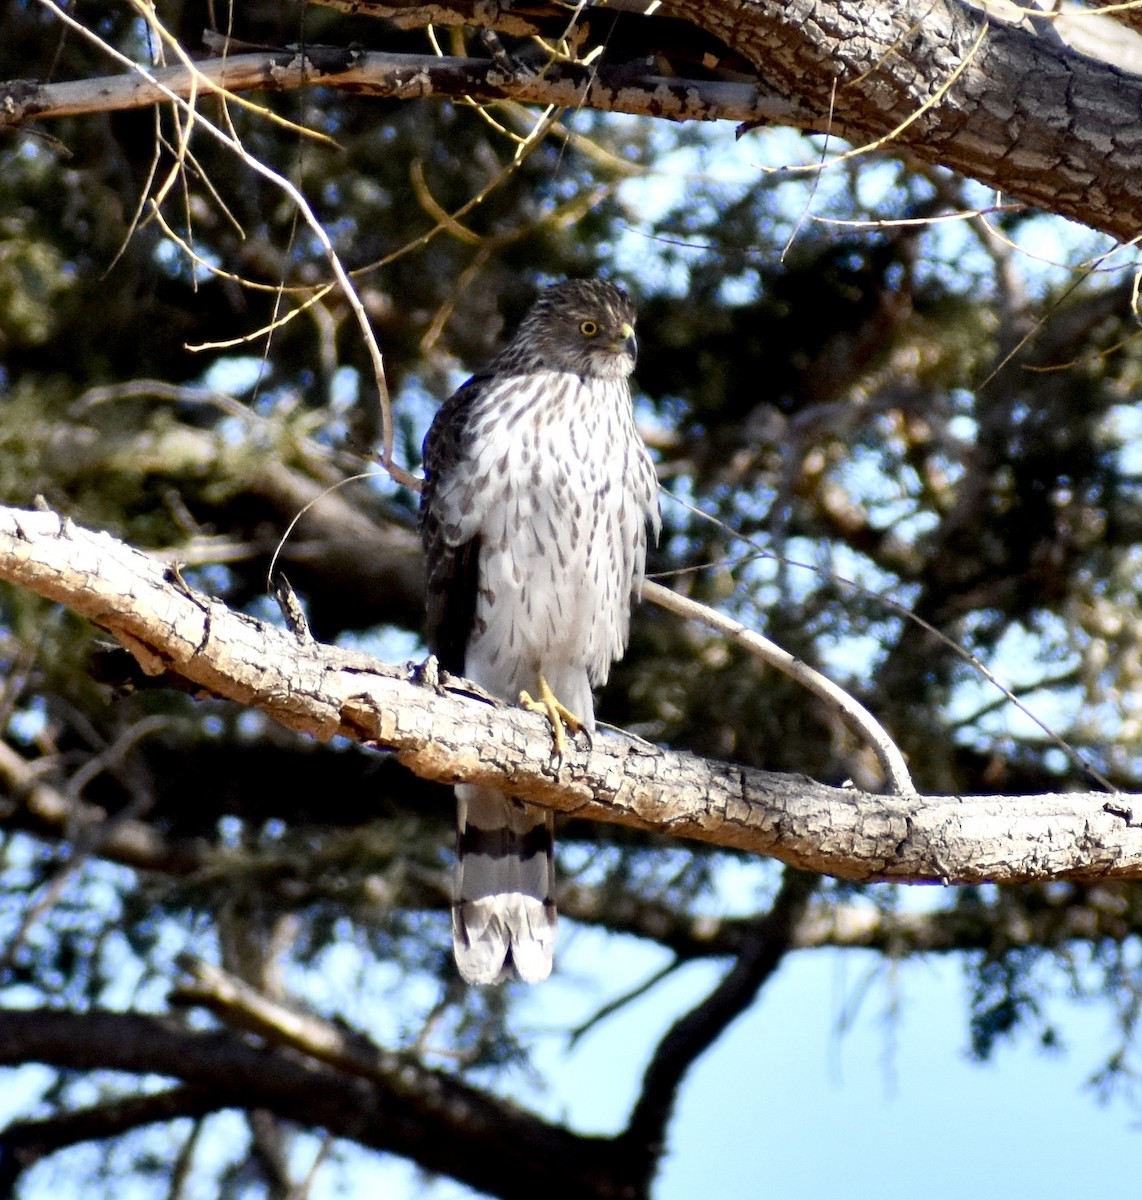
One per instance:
(87, 840)
(854, 714)
(37, 807)
(401, 77)
(196, 83)
(575, 1035)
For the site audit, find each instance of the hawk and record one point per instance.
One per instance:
(537, 498)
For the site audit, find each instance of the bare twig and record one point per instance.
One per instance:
(196, 81)
(86, 837)
(34, 805)
(854, 714)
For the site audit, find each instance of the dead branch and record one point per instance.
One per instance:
(854, 714)
(399, 77)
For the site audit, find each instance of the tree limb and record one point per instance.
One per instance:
(1004, 104)
(450, 735)
(24, 1143)
(401, 77)
(764, 946)
(1091, 913)
(1087, 914)
(859, 720)
(443, 1125)
(954, 86)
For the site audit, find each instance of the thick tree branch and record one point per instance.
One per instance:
(1008, 104)
(1017, 111)
(426, 1116)
(1089, 914)
(24, 1143)
(449, 735)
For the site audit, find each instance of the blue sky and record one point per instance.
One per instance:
(786, 1106)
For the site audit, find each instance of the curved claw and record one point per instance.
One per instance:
(555, 712)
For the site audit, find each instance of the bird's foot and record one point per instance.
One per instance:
(559, 715)
(426, 674)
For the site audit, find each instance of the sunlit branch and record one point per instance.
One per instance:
(854, 714)
(400, 77)
(450, 735)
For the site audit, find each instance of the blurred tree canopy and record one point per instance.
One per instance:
(889, 360)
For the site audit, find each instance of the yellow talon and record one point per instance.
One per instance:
(555, 712)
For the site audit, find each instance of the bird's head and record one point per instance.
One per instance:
(584, 326)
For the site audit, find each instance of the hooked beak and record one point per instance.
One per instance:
(626, 340)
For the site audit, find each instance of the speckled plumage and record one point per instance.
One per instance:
(538, 493)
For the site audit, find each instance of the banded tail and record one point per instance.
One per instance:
(503, 907)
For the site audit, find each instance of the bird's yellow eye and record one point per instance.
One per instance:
(588, 328)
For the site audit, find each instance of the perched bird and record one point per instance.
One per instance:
(537, 496)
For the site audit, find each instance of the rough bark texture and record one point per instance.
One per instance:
(448, 735)
(1025, 114)
(332, 839)
(1010, 105)
(405, 77)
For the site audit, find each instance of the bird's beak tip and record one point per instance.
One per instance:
(626, 340)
